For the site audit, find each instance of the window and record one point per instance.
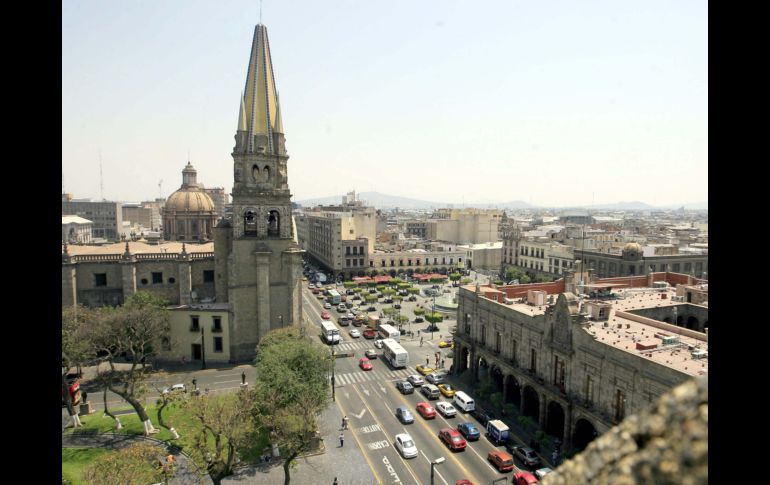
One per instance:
(165, 343)
(675, 268)
(217, 327)
(157, 278)
(217, 344)
(208, 275)
(171, 281)
(347, 251)
(515, 351)
(361, 250)
(355, 251)
(468, 323)
(144, 281)
(360, 262)
(194, 323)
(347, 263)
(498, 342)
(483, 335)
(533, 361)
(558, 372)
(355, 262)
(100, 279)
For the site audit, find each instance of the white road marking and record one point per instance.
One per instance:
(435, 468)
(361, 414)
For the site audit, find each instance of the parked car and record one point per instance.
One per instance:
(524, 478)
(412, 298)
(388, 300)
(175, 388)
(419, 320)
(364, 363)
(327, 305)
(501, 460)
(405, 445)
(432, 328)
(446, 409)
(423, 369)
(415, 380)
(405, 387)
(356, 297)
(469, 431)
(452, 438)
(446, 389)
(348, 304)
(371, 309)
(354, 333)
(403, 415)
(397, 306)
(426, 410)
(343, 321)
(436, 378)
(524, 453)
(542, 472)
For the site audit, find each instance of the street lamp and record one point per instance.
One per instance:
(334, 364)
(438, 461)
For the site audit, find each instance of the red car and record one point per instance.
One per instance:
(452, 438)
(463, 482)
(370, 333)
(426, 410)
(364, 363)
(501, 460)
(524, 478)
(325, 315)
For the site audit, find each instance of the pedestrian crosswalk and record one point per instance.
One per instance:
(353, 345)
(383, 373)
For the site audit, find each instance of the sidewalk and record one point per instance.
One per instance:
(347, 463)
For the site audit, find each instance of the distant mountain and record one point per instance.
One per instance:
(624, 206)
(693, 206)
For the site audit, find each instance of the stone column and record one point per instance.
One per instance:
(292, 258)
(263, 292)
(185, 279)
(543, 408)
(222, 247)
(69, 290)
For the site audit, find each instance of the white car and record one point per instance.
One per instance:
(327, 305)
(378, 343)
(542, 472)
(405, 445)
(175, 388)
(446, 409)
(415, 380)
(354, 333)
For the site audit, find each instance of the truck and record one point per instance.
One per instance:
(388, 331)
(374, 322)
(394, 353)
(334, 297)
(330, 332)
(498, 431)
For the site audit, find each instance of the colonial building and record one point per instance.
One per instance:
(577, 366)
(189, 213)
(76, 230)
(107, 217)
(258, 263)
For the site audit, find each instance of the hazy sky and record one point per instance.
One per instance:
(550, 102)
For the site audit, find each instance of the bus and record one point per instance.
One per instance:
(394, 353)
(330, 332)
(389, 331)
(334, 297)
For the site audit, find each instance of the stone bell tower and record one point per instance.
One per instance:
(259, 258)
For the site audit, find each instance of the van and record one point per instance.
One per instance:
(430, 391)
(464, 402)
(498, 431)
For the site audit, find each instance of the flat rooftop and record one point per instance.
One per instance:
(140, 247)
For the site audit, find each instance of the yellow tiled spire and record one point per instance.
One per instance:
(260, 112)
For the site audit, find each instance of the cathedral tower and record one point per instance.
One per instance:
(259, 263)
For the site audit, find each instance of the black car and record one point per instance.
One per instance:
(412, 298)
(432, 328)
(397, 306)
(356, 297)
(405, 387)
(388, 300)
(371, 309)
(419, 320)
(482, 416)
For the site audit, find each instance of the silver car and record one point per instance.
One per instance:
(405, 445)
(415, 380)
(435, 378)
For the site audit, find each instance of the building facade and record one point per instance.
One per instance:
(107, 217)
(189, 214)
(138, 215)
(220, 198)
(76, 230)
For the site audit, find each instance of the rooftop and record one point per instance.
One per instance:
(139, 247)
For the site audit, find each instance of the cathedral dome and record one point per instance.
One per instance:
(632, 247)
(189, 200)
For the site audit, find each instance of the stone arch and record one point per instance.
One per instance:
(266, 174)
(679, 320)
(513, 394)
(255, 173)
(692, 323)
(273, 223)
(497, 377)
(584, 433)
(482, 369)
(393, 273)
(464, 359)
(555, 423)
(531, 403)
(250, 223)
(410, 272)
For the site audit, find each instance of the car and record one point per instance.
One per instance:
(350, 292)
(542, 472)
(415, 380)
(378, 343)
(371, 309)
(435, 378)
(348, 304)
(405, 445)
(524, 478)
(482, 416)
(327, 305)
(469, 430)
(343, 321)
(501, 460)
(325, 315)
(426, 410)
(354, 333)
(446, 343)
(316, 291)
(419, 320)
(364, 363)
(397, 306)
(412, 298)
(432, 328)
(175, 388)
(356, 297)
(464, 481)
(371, 353)
(524, 453)
(452, 438)
(350, 315)
(357, 322)
(342, 308)
(320, 296)
(369, 333)
(446, 389)
(423, 369)
(405, 387)
(446, 409)
(403, 415)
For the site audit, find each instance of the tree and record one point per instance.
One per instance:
(370, 298)
(434, 317)
(291, 390)
(167, 400)
(136, 464)
(419, 311)
(466, 281)
(75, 349)
(388, 292)
(134, 330)
(454, 276)
(227, 421)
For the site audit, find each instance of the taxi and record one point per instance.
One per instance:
(424, 369)
(446, 390)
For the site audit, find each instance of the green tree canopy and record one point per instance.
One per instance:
(454, 276)
(434, 317)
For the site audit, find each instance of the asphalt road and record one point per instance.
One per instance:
(369, 399)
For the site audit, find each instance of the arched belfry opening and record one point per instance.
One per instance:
(266, 174)
(273, 223)
(250, 223)
(255, 173)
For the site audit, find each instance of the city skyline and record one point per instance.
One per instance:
(580, 105)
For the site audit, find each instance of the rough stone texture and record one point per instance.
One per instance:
(665, 444)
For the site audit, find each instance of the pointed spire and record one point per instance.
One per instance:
(278, 128)
(242, 116)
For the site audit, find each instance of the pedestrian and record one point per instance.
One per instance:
(243, 377)
(335, 481)
(420, 340)
(443, 361)
(342, 440)
(427, 361)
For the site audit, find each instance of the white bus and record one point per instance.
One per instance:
(394, 353)
(389, 331)
(330, 332)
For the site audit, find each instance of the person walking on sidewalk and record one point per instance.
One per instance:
(443, 361)
(420, 340)
(342, 440)
(345, 421)
(335, 481)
